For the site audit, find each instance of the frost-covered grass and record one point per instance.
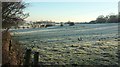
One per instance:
(82, 44)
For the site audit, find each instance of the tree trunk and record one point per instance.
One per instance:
(5, 47)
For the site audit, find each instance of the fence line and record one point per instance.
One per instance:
(27, 58)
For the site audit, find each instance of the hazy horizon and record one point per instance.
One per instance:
(69, 11)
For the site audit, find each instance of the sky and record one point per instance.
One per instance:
(75, 11)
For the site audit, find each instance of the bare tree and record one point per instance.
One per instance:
(13, 14)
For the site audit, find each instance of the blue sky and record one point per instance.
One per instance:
(70, 11)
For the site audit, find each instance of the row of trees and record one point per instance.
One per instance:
(106, 19)
(44, 23)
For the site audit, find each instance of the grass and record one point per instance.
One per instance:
(78, 54)
(61, 45)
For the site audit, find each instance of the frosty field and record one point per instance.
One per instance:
(81, 44)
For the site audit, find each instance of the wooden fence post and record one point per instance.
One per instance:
(27, 58)
(36, 58)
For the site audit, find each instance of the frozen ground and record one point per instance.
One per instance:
(81, 44)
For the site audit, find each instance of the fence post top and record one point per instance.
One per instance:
(28, 49)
